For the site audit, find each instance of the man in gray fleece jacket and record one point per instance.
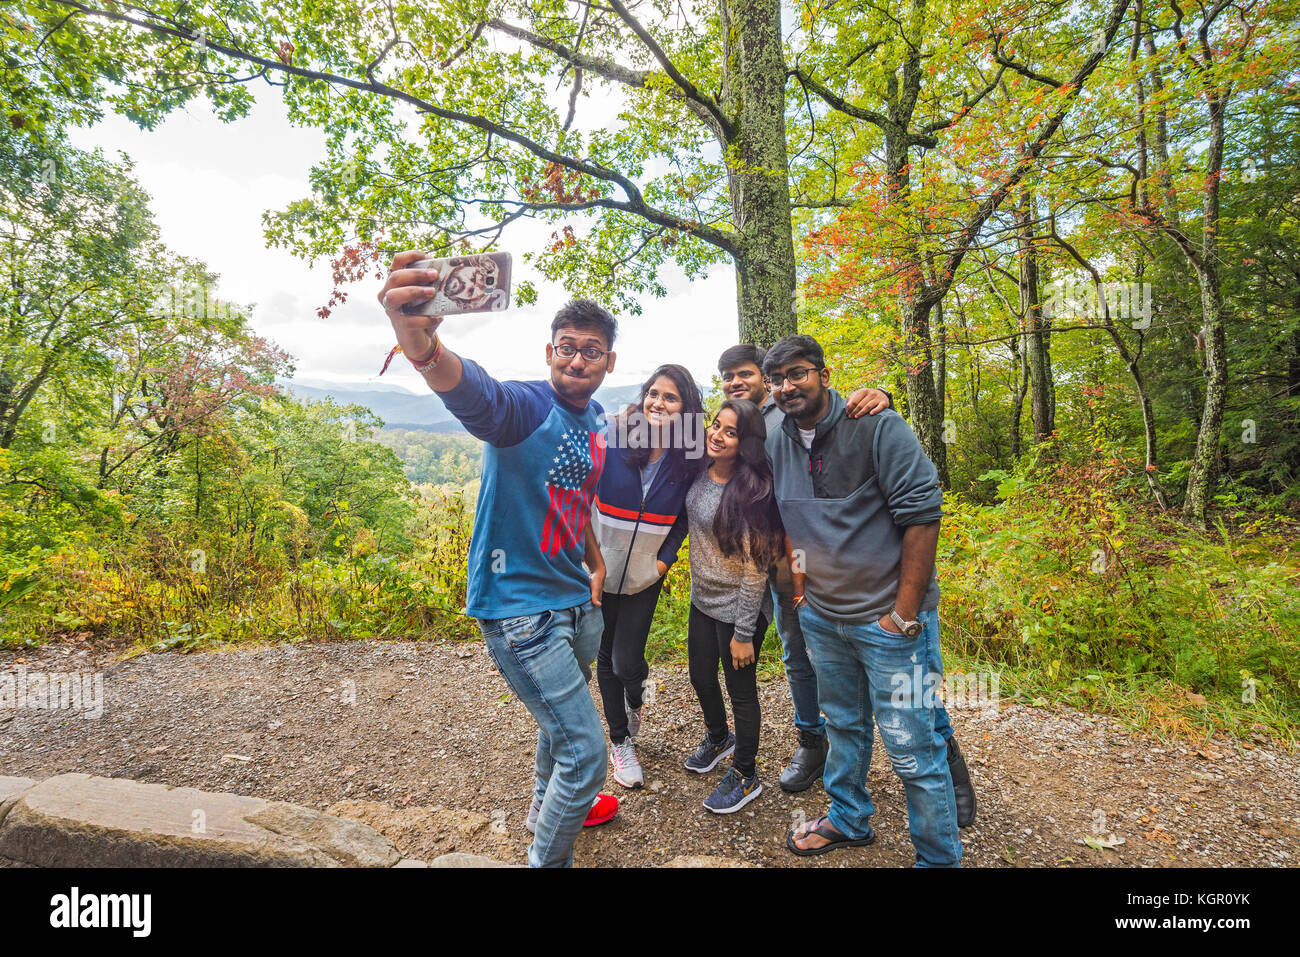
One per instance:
(861, 504)
(741, 369)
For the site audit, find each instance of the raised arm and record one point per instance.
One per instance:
(499, 413)
(417, 335)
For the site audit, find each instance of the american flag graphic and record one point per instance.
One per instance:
(574, 472)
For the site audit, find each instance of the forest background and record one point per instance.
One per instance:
(1064, 234)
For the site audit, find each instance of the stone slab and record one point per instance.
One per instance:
(75, 820)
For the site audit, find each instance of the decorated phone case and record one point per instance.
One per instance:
(477, 283)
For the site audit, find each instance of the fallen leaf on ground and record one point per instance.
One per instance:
(1107, 843)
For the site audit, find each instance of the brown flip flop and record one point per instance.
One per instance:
(822, 827)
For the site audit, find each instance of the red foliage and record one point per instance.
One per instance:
(351, 265)
(192, 396)
(560, 185)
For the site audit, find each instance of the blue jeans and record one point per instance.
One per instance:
(546, 661)
(866, 673)
(798, 669)
(934, 663)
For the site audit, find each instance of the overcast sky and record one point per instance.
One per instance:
(211, 181)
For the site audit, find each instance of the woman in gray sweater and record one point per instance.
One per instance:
(735, 534)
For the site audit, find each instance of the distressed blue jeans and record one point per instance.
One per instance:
(546, 660)
(866, 674)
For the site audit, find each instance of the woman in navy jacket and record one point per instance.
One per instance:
(655, 450)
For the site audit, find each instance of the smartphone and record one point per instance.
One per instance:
(477, 283)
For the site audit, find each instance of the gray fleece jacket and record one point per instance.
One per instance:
(846, 503)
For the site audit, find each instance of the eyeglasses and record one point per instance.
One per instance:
(796, 375)
(567, 350)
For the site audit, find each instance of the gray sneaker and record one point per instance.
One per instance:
(627, 769)
(633, 717)
(708, 754)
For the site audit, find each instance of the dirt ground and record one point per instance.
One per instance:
(435, 752)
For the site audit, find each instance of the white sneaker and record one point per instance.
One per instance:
(627, 769)
(633, 717)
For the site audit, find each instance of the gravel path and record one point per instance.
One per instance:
(424, 741)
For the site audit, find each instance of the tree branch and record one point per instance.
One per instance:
(686, 86)
(635, 202)
(1028, 158)
(839, 103)
(967, 105)
(704, 108)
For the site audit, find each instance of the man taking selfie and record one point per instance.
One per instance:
(535, 603)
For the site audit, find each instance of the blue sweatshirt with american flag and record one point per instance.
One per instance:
(541, 461)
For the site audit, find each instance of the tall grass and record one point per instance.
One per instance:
(1070, 590)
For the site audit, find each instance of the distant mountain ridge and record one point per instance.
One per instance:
(400, 409)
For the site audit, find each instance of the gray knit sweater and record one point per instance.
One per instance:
(726, 588)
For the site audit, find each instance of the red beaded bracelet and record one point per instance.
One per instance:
(432, 361)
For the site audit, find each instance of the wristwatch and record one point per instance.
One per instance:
(910, 629)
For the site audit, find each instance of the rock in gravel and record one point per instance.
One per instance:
(11, 789)
(467, 860)
(75, 820)
(700, 860)
(430, 832)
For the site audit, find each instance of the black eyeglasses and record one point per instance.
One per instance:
(796, 375)
(567, 351)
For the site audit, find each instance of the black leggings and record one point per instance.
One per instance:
(708, 642)
(620, 663)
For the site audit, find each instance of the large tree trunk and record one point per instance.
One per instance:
(754, 79)
(1022, 387)
(1042, 408)
(941, 361)
(923, 409)
(1203, 478)
(1293, 364)
(1164, 178)
(914, 299)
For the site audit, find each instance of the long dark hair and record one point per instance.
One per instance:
(748, 505)
(677, 466)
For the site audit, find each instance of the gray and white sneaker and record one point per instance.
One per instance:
(708, 754)
(627, 769)
(533, 811)
(633, 717)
